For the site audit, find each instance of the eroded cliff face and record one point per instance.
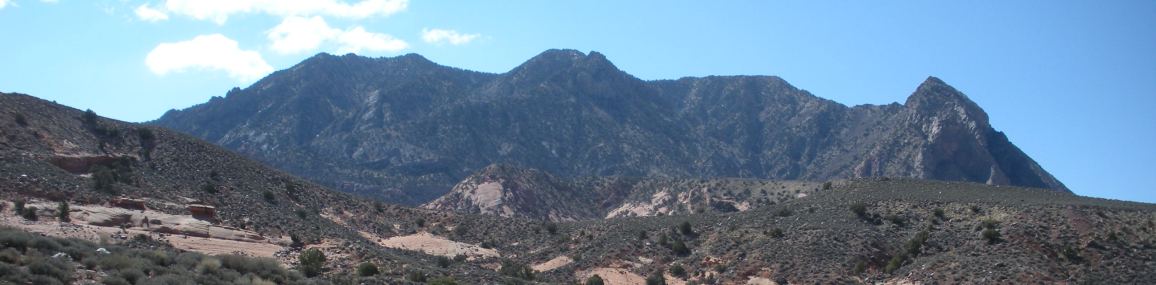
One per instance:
(407, 129)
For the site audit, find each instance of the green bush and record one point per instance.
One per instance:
(859, 209)
(62, 212)
(686, 229)
(442, 261)
(678, 271)
(552, 228)
(992, 236)
(30, 213)
(311, 262)
(366, 269)
(679, 248)
(594, 280)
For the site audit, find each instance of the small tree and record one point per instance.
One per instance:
(366, 269)
(443, 261)
(552, 228)
(679, 247)
(594, 280)
(62, 211)
(312, 261)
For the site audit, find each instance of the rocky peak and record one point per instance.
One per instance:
(564, 61)
(934, 98)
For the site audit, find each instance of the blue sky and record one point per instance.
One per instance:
(1072, 83)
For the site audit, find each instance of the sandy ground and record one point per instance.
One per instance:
(435, 245)
(553, 264)
(92, 222)
(760, 281)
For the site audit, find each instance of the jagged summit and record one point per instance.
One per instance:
(396, 128)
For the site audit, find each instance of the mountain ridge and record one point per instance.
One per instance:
(406, 130)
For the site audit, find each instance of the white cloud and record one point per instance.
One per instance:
(208, 52)
(3, 3)
(219, 10)
(148, 14)
(357, 39)
(300, 34)
(440, 36)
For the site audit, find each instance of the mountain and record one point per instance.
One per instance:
(407, 130)
(872, 230)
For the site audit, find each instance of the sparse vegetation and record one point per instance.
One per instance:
(775, 233)
(20, 120)
(29, 213)
(552, 228)
(443, 261)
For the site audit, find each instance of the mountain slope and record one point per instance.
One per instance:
(407, 129)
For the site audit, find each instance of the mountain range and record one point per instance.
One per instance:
(407, 130)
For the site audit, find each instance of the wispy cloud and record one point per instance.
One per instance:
(214, 52)
(3, 3)
(440, 36)
(299, 34)
(219, 11)
(148, 14)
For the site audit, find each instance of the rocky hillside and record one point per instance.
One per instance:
(407, 129)
(509, 191)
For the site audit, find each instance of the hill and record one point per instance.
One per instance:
(406, 129)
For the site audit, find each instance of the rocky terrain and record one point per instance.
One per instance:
(874, 230)
(509, 191)
(406, 130)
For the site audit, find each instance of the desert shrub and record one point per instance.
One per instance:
(678, 271)
(443, 281)
(859, 209)
(20, 120)
(642, 235)
(895, 262)
(518, 270)
(679, 248)
(366, 269)
(460, 258)
(656, 278)
(784, 212)
(420, 222)
(992, 236)
(415, 276)
(594, 280)
(552, 228)
(442, 261)
(939, 214)
(18, 206)
(685, 228)
(103, 179)
(915, 245)
(269, 197)
(311, 262)
(62, 212)
(55, 269)
(1072, 254)
(775, 233)
(860, 267)
(89, 117)
(898, 220)
(29, 213)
